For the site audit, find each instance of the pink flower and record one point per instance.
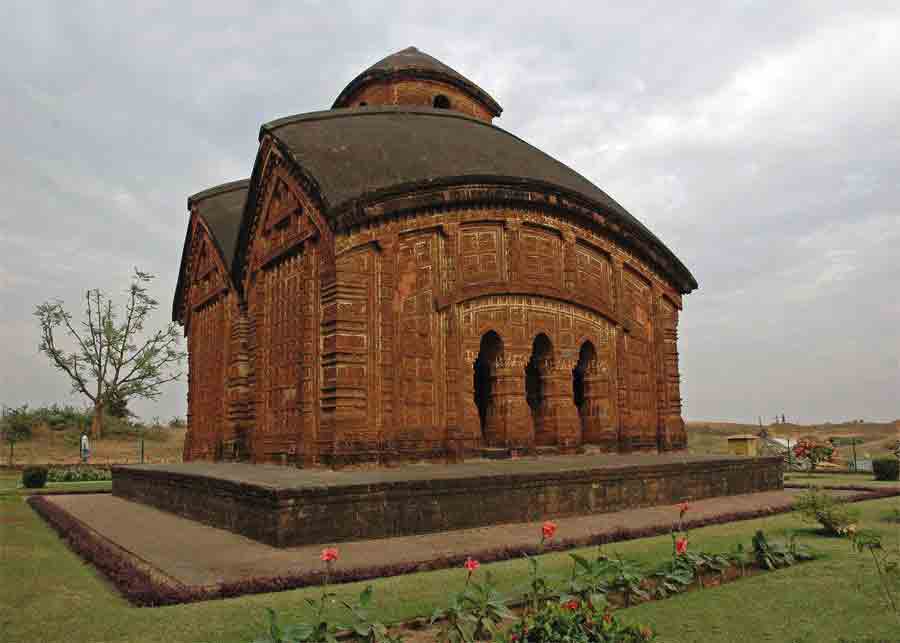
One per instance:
(329, 554)
(681, 545)
(472, 564)
(548, 530)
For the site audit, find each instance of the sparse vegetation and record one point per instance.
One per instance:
(835, 516)
(14, 428)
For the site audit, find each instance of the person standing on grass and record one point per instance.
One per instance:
(85, 448)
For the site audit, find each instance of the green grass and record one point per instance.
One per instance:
(48, 594)
(11, 484)
(840, 479)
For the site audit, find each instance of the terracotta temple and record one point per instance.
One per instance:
(401, 279)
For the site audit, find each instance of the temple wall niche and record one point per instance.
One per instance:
(418, 93)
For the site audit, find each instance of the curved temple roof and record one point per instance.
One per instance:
(413, 62)
(221, 208)
(356, 156)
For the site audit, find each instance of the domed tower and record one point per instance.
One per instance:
(412, 77)
(406, 280)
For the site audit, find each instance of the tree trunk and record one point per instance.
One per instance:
(97, 421)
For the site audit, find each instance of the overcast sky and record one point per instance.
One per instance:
(762, 144)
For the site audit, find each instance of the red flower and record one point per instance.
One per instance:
(472, 564)
(572, 605)
(607, 618)
(684, 506)
(681, 546)
(548, 530)
(329, 554)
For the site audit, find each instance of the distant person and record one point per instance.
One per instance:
(85, 448)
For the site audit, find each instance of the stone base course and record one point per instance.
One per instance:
(285, 506)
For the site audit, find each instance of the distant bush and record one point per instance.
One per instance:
(78, 474)
(34, 477)
(177, 423)
(835, 516)
(886, 468)
(120, 429)
(60, 417)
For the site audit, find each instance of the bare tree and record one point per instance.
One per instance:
(109, 362)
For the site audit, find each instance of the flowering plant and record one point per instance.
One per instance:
(539, 590)
(814, 452)
(475, 612)
(577, 622)
(679, 533)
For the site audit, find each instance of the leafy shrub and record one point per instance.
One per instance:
(473, 614)
(814, 452)
(34, 477)
(886, 468)
(576, 622)
(772, 555)
(78, 474)
(835, 516)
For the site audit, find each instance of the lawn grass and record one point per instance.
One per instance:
(11, 481)
(48, 594)
(840, 479)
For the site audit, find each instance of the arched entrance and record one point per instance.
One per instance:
(586, 366)
(484, 383)
(536, 388)
(591, 395)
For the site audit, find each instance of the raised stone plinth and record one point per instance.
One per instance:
(286, 506)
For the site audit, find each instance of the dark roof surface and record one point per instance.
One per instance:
(355, 155)
(415, 62)
(221, 207)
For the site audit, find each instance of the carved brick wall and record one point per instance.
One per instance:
(419, 93)
(362, 346)
(446, 279)
(640, 426)
(208, 300)
(284, 323)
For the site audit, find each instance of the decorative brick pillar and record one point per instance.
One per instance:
(596, 412)
(512, 415)
(561, 414)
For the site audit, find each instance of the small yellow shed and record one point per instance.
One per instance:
(744, 444)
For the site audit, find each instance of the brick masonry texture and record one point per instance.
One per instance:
(440, 324)
(286, 510)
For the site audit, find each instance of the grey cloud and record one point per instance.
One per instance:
(759, 141)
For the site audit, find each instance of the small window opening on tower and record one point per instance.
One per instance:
(363, 104)
(441, 102)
